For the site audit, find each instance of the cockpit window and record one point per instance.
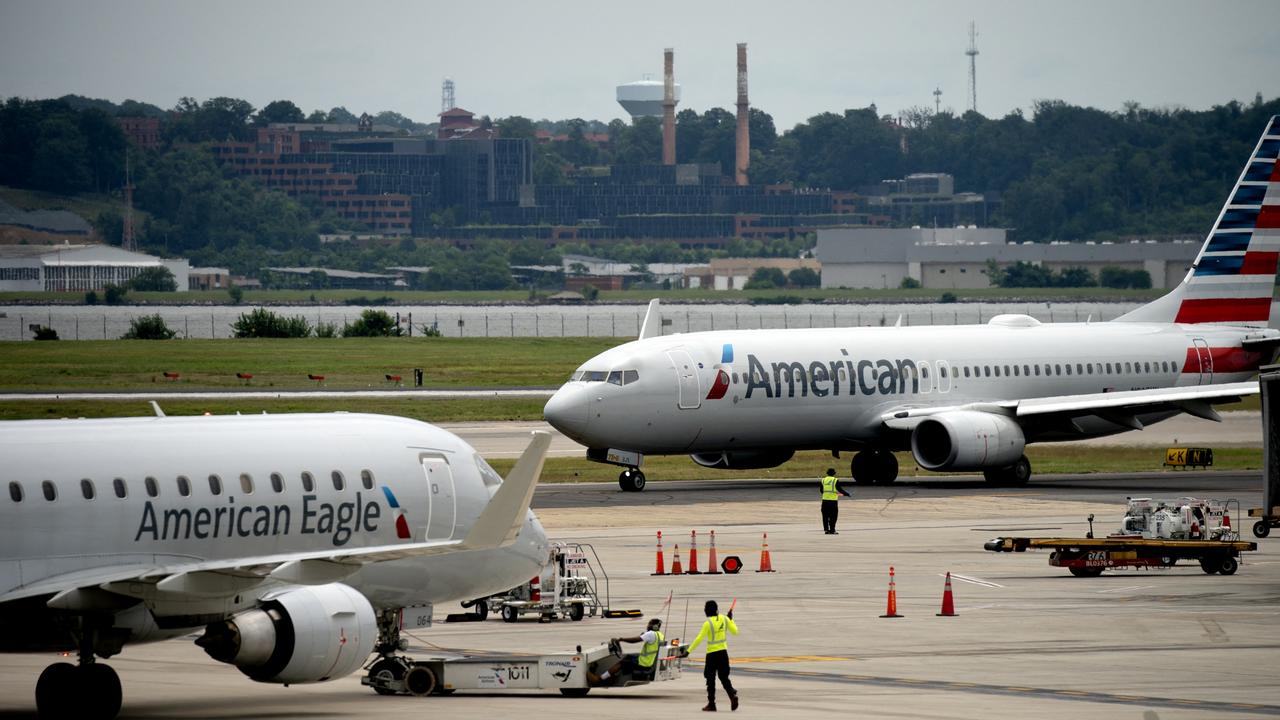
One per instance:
(615, 377)
(490, 476)
(630, 376)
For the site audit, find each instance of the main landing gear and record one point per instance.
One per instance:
(631, 480)
(386, 674)
(1014, 475)
(89, 690)
(874, 466)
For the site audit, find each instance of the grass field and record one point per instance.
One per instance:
(345, 363)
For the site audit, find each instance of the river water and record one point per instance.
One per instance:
(97, 322)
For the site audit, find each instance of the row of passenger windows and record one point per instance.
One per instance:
(1049, 370)
(616, 377)
(120, 486)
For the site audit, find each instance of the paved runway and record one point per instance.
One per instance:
(1029, 640)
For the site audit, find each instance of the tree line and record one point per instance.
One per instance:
(1063, 173)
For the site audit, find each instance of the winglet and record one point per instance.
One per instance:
(156, 407)
(500, 521)
(652, 326)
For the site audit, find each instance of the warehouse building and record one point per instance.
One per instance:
(78, 268)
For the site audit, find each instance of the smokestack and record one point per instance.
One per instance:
(744, 115)
(668, 109)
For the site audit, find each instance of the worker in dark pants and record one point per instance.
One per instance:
(831, 492)
(714, 631)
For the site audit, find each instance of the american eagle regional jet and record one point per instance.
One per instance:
(960, 398)
(293, 541)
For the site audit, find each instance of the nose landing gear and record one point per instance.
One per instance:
(874, 466)
(631, 480)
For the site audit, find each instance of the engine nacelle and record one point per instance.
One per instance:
(305, 635)
(743, 459)
(967, 440)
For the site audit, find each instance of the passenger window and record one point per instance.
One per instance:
(338, 482)
(615, 377)
(1079, 369)
(630, 376)
(277, 482)
(49, 490)
(942, 370)
(87, 489)
(1015, 371)
(1037, 368)
(966, 371)
(215, 485)
(1108, 368)
(1089, 368)
(15, 492)
(1026, 371)
(1006, 371)
(1128, 367)
(120, 488)
(735, 377)
(986, 370)
(366, 479)
(246, 483)
(1146, 367)
(308, 482)
(153, 487)
(184, 486)
(997, 371)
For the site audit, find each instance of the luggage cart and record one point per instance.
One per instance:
(567, 587)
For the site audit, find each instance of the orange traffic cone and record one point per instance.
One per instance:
(676, 567)
(766, 563)
(693, 554)
(948, 600)
(892, 610)
(712, 568)
(661, 563)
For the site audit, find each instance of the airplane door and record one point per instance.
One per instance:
(443, 514)
(1206, 361)
(687, 377)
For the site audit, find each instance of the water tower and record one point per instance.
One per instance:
(643, 98)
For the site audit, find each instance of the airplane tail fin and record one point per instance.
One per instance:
(1233, 278)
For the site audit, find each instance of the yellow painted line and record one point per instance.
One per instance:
(1075, 693)
(1245, 706)
(1186, 702)
(1015, 688)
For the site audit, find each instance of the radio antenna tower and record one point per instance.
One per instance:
(937, 100)
(446, 96)
(972, 52)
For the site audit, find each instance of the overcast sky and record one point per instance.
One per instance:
(564, 59)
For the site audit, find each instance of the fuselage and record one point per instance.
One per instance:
(87, 495)
(829, 388)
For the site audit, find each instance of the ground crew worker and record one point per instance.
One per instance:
(830, 501)
(641, 666)
(717, 659)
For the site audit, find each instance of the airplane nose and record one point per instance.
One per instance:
(567, 411)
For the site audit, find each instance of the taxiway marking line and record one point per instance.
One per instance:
(1012, 690)
(973, 580)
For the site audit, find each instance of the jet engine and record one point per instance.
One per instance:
(967, 440)
(303, 635)
(743, 459)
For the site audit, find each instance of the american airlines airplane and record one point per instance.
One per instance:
(293, 541)
(960, 398)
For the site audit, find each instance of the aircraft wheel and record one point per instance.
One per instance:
(631, 480)
(886, 465)
(1261, 529)
(576, 612)
(56, 691)
(862, 468)
(509, 613)
(481, 607)
(1228, 565)
(387, 670)
(1019, 473)
(103, 694)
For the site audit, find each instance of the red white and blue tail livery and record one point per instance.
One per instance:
(959, 398)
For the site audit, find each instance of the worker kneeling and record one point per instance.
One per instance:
(637, 667)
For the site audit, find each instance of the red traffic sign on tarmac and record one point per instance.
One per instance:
(731, 564)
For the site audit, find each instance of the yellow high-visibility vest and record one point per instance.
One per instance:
(649, 653)
(829, 488)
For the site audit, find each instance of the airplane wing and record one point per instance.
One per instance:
(498, 526)
(1120, 407)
